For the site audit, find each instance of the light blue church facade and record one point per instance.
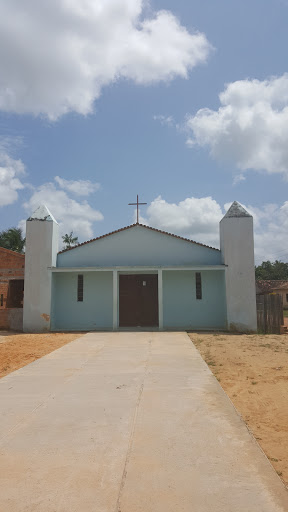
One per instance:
(139, 277)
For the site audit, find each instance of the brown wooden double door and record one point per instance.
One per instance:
(138, 300)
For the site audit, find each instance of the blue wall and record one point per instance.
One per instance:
(95, 312)
(182, 310)
(139, 246)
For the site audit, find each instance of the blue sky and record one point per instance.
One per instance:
(184, 103)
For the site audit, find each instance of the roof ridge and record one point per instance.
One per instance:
(144, 226)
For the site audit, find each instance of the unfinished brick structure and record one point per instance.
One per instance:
(11, 289)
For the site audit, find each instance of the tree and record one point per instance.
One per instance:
(274, 271)
(70, 240)
(13, 239)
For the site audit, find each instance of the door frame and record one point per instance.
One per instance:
(116, 300)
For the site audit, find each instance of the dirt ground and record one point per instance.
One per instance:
(253, 371)
(19, 349)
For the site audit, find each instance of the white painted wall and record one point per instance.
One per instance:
(237, 249)
(41, 253)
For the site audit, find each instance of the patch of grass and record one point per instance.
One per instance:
(273, 460)
(266, 345)
(254, 382)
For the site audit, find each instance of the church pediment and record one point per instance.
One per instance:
(138, 245)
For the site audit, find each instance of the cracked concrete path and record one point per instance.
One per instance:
(128, 422)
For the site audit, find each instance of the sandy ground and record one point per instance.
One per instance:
(253, 371)
(18, 349)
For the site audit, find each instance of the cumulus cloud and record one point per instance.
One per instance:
(270, 233)
(195, 218)
(198, 219)
(250, 129)
(11, 172)
(74, 215)
(56, 56)
(78, 187)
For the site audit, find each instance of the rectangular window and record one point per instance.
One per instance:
(286, 297)
(1, 299)
(198, 285)
(80, 288)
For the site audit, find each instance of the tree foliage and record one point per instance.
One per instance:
(13, 239)
(276, 270)
(69, 240)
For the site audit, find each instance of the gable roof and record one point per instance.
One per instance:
(143, 226)
(267, 286)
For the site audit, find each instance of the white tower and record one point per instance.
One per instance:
(237, 249)
(41, 253)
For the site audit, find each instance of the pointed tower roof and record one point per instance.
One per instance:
(42, 213)
(236, 210)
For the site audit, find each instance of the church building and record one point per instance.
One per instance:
(140, 277)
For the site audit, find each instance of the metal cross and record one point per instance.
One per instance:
(136, 204)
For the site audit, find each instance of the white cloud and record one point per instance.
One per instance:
(198, 219)
(164, 120)
(238, 178)
(270, 234)
(56, 56)
(78, 187)
(69, 213)
(10, 173)
(270, 230)
(250, 129)
(195, 218)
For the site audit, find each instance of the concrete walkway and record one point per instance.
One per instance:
(130, 422)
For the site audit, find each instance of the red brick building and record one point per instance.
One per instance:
(11, 289)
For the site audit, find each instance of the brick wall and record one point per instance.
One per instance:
(11, 259)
